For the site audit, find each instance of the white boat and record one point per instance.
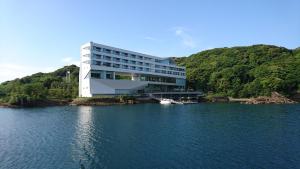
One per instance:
(170, 101)
(166, 101)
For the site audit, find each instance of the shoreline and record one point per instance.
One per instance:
(113, 101)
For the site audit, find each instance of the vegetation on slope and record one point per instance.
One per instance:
(41, 87)
(244, 71)
(238, 72)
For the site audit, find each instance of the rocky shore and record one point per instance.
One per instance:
(275, 98)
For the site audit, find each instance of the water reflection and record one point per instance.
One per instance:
(84, 146)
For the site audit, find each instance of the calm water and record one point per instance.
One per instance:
(151, 136)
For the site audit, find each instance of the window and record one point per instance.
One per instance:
(94, 62)
(116, 52)
(106, 64)
(107, 57)
(147, 58)
(96, 56)
(124, 54)
(109, 76)
(116, 65)
(96, 75)
(97, 49)
(116, 59)
(106, 50)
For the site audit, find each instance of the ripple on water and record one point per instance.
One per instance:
(151, 136)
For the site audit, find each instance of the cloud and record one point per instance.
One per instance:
(70, 61)
(11, 71)
(150, 38)
(185, 37)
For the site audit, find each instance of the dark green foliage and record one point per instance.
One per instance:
(244, 71)
(238, 72)
(41, 86)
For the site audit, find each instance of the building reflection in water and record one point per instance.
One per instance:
(84, 148)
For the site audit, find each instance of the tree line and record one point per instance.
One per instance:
(249, 71)
(40, 87)
(244, 71)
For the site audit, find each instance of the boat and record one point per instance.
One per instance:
(170, 101)
(166, 101)
(176, 102)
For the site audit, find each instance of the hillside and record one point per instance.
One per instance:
(41, 87)
(237, 72)
(244, 71)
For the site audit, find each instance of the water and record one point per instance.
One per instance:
(151, 136)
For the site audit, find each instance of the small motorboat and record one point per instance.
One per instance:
(166, 101)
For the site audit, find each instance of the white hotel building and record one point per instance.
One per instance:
(106, 70)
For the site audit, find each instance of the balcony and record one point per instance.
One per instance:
(116, 59)
(107, 51)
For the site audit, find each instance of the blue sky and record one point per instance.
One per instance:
(45, 35)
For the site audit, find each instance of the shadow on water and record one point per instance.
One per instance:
(81, 165)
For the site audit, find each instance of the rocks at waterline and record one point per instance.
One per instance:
(275, 98)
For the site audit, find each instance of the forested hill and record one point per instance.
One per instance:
(238, 72)
(41, 87)
(244, 71)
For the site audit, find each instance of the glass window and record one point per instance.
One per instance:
(95, 75)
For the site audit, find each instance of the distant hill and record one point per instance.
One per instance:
(41, 87)
(244, 71)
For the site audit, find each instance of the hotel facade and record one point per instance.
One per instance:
(106, 70)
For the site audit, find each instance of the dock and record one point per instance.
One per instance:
(177, 97)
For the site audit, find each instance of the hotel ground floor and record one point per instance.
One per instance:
(100, 82)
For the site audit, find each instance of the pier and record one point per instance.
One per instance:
(176, 95)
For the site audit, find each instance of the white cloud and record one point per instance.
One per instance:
(153, 39)
(11, 71)
(70, 61)
(150, 38)
(185, 37)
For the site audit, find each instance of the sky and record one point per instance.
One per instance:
(41, 36)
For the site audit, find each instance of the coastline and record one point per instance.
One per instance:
(275, 98)
(93, 101)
